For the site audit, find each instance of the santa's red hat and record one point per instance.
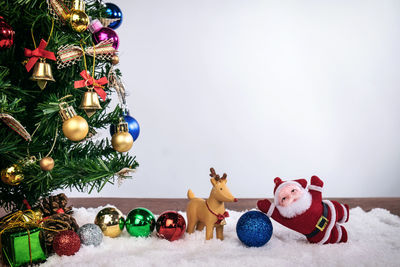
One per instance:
(279, 184)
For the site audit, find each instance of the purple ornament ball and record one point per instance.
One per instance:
(101, 33)
(106, 34)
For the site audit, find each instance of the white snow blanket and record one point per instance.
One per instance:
(374, 240)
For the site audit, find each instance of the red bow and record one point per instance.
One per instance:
(221, 217)
(37, 53)
(26, 203)
(90, 81)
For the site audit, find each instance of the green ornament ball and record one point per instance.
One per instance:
(140, 222)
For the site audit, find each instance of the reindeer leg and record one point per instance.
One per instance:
(209, 231)
(200, 226)
(191, 226)
(220, 232)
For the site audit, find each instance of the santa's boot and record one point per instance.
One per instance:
(342, 212)
(338, 235)
(344, 235)
(333, 238)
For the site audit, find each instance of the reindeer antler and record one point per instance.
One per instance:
(216, 176)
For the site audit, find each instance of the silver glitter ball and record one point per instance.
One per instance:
(90, 234)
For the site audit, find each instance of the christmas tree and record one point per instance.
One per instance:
(55, 48)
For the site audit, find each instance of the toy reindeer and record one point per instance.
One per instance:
(211, 212)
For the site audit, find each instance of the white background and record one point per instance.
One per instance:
(260, 89)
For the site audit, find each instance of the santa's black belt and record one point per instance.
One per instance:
(322, 222)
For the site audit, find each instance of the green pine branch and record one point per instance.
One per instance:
(86, 166)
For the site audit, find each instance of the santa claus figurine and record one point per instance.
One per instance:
(305, 212)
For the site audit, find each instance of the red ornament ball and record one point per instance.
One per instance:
(6, 34)
(170, 225)
(66, 243)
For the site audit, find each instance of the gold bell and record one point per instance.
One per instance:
(42, 73)
(90, 103)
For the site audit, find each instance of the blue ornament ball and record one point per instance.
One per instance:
(133, 127)
(113, 12)
(254, 229)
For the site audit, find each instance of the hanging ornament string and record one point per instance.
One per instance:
(94, 58)
(55, 135)
(64, 97)
(51, 32)
(39, 51)
(52, 146)
(27, 148)
(88, 81)
(54, 141)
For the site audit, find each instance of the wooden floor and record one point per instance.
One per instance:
(158, 205)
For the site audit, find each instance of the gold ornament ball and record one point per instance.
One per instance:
(46, 163)
(75, 128)
(122, 141)
(115, 60)
(111, 221)
(78, 20)
(12, 175)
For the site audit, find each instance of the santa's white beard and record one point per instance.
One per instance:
(296, 208)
